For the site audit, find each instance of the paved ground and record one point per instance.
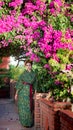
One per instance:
(9, 119)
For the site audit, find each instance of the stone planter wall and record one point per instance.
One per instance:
(51, 115)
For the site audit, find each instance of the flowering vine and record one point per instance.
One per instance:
(43, 29)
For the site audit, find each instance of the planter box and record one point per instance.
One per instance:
(49, 115)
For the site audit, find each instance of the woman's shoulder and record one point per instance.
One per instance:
(22, 73)
(34, 72)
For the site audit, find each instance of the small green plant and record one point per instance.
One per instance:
(4, 77)
(15, 71)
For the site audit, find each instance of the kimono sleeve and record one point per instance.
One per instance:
(19, 83)
(35, 83)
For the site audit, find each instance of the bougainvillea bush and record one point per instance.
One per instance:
(43, 30)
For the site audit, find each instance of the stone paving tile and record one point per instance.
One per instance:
(3, 128)
(12, 125)
(9, 119)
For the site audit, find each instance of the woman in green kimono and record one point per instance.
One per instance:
(27, 82)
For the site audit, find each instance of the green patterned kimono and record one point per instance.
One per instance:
(25, 114)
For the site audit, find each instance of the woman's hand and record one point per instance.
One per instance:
(16, 97)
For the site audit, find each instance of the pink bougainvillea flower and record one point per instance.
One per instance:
(67, 35)
(55, 57)
(29, 8)
(68, 67)
(71, 19)
(15, 3)
(57, 82)
(34, 57)
(2, 3)
(46, 66)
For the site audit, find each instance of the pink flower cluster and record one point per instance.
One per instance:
(69, 67)
(15, 3)
(7, 24)
(4, 43)
(55, 7)
(1, 3)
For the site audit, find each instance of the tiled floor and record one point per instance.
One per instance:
(9, 119)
